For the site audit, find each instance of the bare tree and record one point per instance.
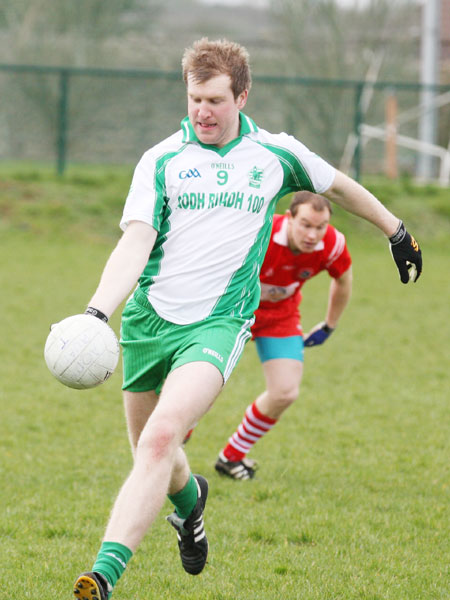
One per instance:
(75, 33)
(328, 40)
(72, 33)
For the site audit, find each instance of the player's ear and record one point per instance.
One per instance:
(241, 100)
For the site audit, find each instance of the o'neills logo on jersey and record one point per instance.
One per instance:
(213, 353)
(255, 177)
(222, 166)
(187, 174)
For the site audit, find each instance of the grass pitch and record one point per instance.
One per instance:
(351, 500)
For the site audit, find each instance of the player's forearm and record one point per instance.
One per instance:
(354, 198)
(124, 266)
(339, 296)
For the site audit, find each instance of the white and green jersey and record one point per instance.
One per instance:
(212, 208)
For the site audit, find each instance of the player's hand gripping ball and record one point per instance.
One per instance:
(81, 351)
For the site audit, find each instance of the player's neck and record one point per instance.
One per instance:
(292, 247)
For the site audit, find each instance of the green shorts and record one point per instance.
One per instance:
(152, 347)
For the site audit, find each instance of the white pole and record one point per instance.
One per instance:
(429, 75)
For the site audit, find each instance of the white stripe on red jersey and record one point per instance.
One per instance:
(338, 248)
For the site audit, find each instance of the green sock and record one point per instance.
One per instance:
(112, 561)
(186, 499)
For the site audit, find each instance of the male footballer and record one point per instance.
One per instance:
(302, 244)
(196, 225)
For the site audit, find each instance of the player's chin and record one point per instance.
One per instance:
(207, 135)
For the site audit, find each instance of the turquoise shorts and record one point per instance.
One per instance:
(152, 347)
(280, 347)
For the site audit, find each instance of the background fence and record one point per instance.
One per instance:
(104, 116)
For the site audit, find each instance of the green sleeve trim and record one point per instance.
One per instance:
(295, 175)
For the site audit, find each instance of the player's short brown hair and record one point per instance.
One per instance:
(206, 59)
(317, 201)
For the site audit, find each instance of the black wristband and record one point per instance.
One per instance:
(327, 328)
(96, 313)
(399, 235)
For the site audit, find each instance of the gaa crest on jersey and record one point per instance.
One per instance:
(189, 173)
(255, 177)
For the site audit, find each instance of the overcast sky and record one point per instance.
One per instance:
(235, 2)
(267, 2)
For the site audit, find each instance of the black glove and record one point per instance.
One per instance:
(96, 313)
(319, 335)
(406, 254)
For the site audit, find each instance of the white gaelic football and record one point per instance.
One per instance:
(81, 351)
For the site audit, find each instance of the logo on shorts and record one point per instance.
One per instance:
(213, 353)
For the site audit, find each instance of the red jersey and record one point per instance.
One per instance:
(283, 274)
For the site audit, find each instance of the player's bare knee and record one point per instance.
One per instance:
(284, 397)
(159, 440)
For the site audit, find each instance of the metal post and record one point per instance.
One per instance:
(429, 76)
(357, 124)
(62, 121)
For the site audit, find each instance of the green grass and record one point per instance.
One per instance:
(351, 501)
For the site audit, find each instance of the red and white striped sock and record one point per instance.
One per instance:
(253, 426)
